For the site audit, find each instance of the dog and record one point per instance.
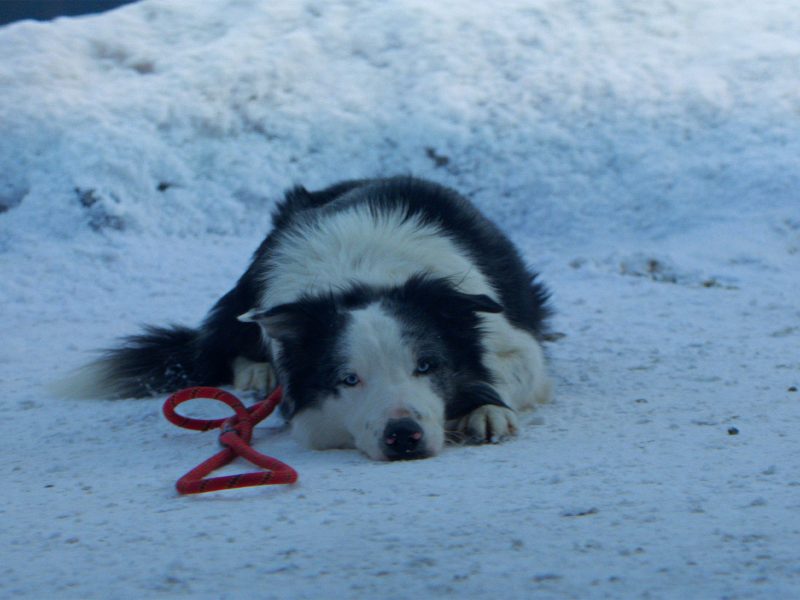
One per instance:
(394, 315)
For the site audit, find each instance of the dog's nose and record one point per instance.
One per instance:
(402, 440)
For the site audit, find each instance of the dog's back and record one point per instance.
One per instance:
(411, 212)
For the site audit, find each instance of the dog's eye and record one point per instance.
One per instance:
(423, 366)
(351, 380)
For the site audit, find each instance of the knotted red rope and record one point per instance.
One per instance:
(235, 435)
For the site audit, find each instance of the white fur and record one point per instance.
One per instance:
(489, 423)
(356, 245)
(388, 389)
(386, 249)
(90, 381)
(251, 375)
(516, 360)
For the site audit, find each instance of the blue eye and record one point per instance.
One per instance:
(423, 366)
(351, 380)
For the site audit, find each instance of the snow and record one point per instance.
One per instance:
(644, 156)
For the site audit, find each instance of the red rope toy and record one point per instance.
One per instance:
(235, 435)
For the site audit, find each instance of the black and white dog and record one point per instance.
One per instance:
(392, 312)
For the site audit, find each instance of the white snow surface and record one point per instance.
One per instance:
(645, 156)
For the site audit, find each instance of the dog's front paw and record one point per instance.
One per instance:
(250, 375)
(489, 424)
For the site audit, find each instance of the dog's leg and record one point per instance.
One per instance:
(516, 361)
(488, 423)
(250, 375)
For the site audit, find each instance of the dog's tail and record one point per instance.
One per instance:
(159, 360)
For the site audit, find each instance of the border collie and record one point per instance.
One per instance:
(392, 312)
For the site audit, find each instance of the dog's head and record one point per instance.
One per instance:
(380, 369)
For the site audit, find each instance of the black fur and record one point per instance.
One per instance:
(439, 317)
(157, 360)
(439, 322)
(164, 359)
(524, 299)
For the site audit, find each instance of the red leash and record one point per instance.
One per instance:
(235, 435)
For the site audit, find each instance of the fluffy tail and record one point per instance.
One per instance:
(162, 359)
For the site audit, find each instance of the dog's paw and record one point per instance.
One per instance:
(249, 375)
(488, 424)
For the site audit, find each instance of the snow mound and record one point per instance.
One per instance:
(162, 119)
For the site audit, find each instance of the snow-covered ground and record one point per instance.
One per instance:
(644, 156)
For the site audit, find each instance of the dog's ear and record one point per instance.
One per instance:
(478, 302)
(284, 322)
(442, 297)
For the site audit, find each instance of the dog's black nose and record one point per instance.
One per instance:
(402, 440)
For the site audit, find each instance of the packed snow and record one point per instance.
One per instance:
(645, 157)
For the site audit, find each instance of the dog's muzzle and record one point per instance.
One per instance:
(403, 439)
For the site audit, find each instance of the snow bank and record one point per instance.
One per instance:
(160, 117)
